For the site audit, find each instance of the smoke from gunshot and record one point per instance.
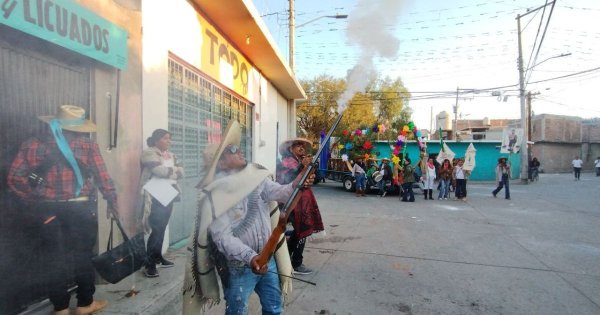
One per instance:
(369, 29)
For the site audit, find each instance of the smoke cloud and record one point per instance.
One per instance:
(368, 29)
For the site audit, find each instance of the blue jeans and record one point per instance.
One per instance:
(382, 186)
(158, 220)
(444, 188)
(503, 183)
(461, 188)
(408, 192)
(242, 281)
(360, 181)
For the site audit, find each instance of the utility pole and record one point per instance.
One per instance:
(292, 61)
(524, 155)
(529, 96)
(524, 115)
(431, 131)
(455, 135)
(292, 30)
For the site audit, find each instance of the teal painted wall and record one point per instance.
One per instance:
(485, 159)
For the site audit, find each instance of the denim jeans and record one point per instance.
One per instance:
(158, 220)
(503, 183)
(444, 186)
(461, 188)
(577, 171)
(408, 192)
(242, 281)
(382, 186)
(360, 181)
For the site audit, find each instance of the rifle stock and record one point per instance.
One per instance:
(288, 208)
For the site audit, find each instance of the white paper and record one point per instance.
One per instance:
(161, 189)
(169, 163)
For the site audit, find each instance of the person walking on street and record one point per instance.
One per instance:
(460, 177)
(233, 225)
(577, 164)
(386, 171)
(358, 172)
(306, 218)
(408, 173)
(158, 162)
(445, 179)
(502, 178)
(55, 179)
(597, 165)
(429, 178)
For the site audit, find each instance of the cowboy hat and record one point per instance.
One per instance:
(284, 148)
(385, 159)
(71, 118)
(377, 177)
(212, 153)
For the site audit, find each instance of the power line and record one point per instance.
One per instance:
(568, 75)
(541, 40)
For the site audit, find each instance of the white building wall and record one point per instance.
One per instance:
(175, 28)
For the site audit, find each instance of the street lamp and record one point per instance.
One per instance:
(557, 56)
(292, 48)
(337, 16)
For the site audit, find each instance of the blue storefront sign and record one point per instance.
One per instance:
(69, 25)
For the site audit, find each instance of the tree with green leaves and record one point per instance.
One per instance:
(319, 110)
(384, 101)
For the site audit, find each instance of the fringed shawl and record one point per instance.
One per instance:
(201, 284)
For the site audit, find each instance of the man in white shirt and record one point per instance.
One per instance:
(577, 163)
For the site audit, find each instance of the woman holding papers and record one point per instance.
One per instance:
(160, 172)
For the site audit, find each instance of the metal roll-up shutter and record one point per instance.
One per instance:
(35, 78)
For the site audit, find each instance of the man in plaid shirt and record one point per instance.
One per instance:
(55, 180)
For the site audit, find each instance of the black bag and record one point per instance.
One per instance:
(123, 260)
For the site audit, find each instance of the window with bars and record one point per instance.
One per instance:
(199, 110)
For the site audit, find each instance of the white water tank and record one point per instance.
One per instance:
(442, 120)
(486, 121)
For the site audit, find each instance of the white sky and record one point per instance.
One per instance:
(469, 44)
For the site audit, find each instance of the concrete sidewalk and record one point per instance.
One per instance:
(537, 253)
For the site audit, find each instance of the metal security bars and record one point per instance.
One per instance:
(199, 110)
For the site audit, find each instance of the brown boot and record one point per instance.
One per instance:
(362, 192)
(92, 308)
(357, 193)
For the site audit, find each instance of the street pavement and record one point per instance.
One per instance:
(538, 253)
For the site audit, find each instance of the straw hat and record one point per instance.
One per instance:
(284, 148)
(385, 159)
(377, 177)
(71, 118)
(212, 153)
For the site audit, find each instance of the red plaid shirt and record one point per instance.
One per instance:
(60, 179)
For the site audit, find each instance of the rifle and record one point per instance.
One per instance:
(288, 208)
